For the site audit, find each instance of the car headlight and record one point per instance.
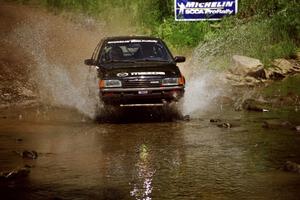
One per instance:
(170, 81)
(173, 81)
(110, 83)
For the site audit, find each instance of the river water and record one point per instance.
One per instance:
(148, 159)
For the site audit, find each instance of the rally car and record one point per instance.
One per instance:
(137, 71)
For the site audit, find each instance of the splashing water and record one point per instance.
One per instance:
(60, 80)
(205, 84)
(201, 92)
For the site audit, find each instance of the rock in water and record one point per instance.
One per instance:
(274, 124)
(17, 173)
(186, 118)
(292, 167)
(214, 120)
(254, 105)
(30, 154)
(297, 128)
(225, 125)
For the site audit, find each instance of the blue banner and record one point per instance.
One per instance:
(196, 10)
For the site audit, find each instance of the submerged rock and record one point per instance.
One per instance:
(30, 154)
(273, 124)
(225, 125)
(214, 120)
(17, 173)
(186, 118)
(297, 128)
(289, 99)
(28, 166)
(254, 105)
(292, 167)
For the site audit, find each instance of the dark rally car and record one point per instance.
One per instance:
(137, 71)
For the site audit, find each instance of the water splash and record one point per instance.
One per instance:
(206, 80)
(202, 90)
(60, 80)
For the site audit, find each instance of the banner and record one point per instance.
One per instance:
(196, 10)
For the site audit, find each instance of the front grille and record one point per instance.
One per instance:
(141, 83)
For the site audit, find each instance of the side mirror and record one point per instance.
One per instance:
(179, 59)
(89, 62)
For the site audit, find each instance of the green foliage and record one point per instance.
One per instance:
(183, 34)
(249, 8)
(262, 29)
(286, 23)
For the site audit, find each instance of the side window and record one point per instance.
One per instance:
(105, 54)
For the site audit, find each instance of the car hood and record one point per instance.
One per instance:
(125, 70)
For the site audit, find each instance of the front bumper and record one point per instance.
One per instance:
(141, 96)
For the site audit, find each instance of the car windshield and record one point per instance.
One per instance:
(134, 51)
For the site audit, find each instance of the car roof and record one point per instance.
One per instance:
(130, 38)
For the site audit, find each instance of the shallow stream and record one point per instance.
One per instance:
(148, 159)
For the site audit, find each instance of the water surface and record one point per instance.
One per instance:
(83, 159)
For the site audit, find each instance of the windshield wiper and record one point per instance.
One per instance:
(152, 60)
(119, 61)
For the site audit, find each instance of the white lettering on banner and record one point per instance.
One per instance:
(209, 4)
(208, 11)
